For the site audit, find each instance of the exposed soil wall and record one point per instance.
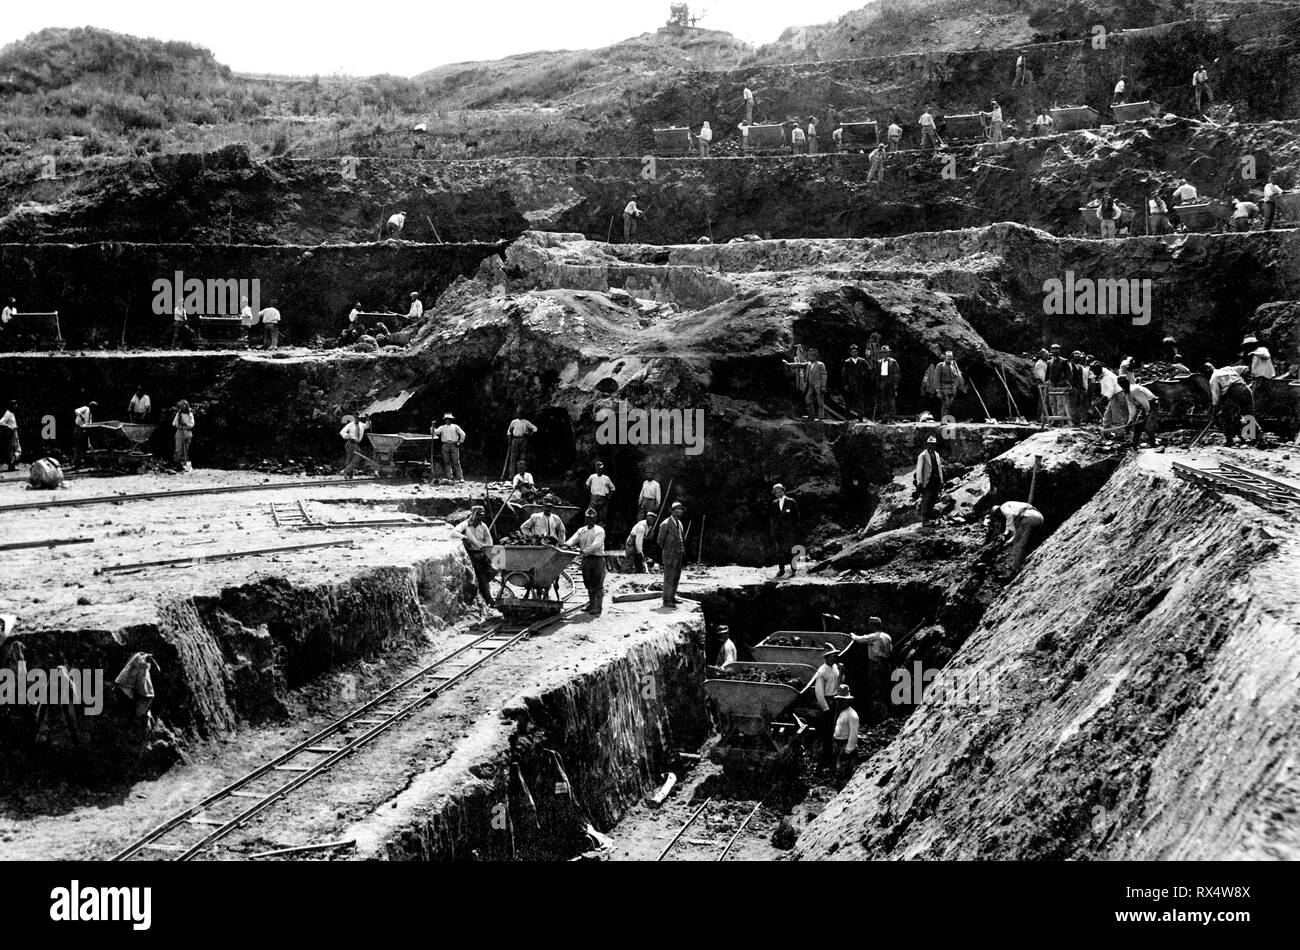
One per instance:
(610, 724)
(1128, 717)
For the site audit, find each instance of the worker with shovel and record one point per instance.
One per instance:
(1017, 522)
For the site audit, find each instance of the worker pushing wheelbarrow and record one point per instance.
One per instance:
(129, 452)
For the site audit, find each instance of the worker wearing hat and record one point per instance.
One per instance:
(886, 374)
(672, 550)
(867, 665)
(826, 685)
(82, 419)
(1261, 363)
(450, 437)
(417, 308)
(589, 541)
(631, 213)
(727, 651)
(477, 538)
(1059, 373)
(844, 733)
(927, 480)
(783, 529)
(183, 422)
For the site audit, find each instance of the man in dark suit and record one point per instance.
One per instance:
(672, 545)
(783, 525)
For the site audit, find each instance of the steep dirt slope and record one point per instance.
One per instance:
(1147, 713)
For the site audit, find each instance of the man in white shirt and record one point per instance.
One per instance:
(1044, 123)
(1020, 71)
(631, 214)
(82, 418)
(590, 541)
(353, 431)
(1201, 88)
(450, 437)
(1272, 191)
(8, 313)
(837, 140)
(1261, 363)
(1017, 522)
(929, 134)
(1143, 414)
(1118, 97)
(545, 526)
(600, 486)
(477, 538)
(1230, 399)
(138, 409)
(895, 134)
(876, 171)
(995, 121)
(826, 684)
(650, 498)
(1113, 404)
(517, 435)
(417, 309)
(1185, 193)
(1243, 212)
(397, 222)
(798, 141)
(270, 318)
(704, 138)
(247, 320)
(179, 325)
(927, 480)
(634, 546)
(1040, 377)
(522, 486)
(727, 652)
(844, 733)
(748, 95)
(1157, 213)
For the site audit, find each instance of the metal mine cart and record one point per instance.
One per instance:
(969, 125)
(1074, 118)
(221, 330)
(531, 579)
(753, 740)
(777, 648)
(127, 452)
(1135, 111)
(388, 446)
(675, 139)
(860, 133)
(767, 137)
(1203, 215)
(35, 329)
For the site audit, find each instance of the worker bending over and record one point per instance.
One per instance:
(635, 545)
(352, 434)
(1018, 523)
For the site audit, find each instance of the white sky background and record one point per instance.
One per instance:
(364, 37)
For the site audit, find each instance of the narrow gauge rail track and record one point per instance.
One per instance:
(1254, 485)
(727, 845)
(195, 832)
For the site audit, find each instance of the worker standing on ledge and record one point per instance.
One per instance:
(705, 139)
(826, 685)
(270, 317)
(600, 486)
(417, 309)
(783, 529)
(477, 539)
(886, 385)
(1017, 522)
(1121, 87)
(183, 422)
(748, 95)
(845, 733)
(631, 214)
(672, 547)
(855, 377)
(876, 171)
(82, 418)
(451, 437)
(929, 134)
(11, 449)
(138, 409)
(651, 495)
(589, 540)
(517, 433)
(814, 394)
(927, 480)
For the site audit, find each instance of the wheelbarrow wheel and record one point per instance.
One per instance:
(514, 585)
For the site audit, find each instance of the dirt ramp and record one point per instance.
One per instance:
(1126, 685)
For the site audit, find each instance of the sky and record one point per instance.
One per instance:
(364, 37)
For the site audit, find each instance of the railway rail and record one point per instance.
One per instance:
(197, 831)
(1258, 487)
(679, 839)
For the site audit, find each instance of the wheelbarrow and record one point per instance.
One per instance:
(1203, 215)
(386, 447)
(527, 575)
(752, 737)
(809, 651)
(1074, 118)
(129, 454)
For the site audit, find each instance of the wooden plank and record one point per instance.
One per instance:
(47, 543)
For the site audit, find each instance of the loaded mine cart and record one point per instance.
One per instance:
(1288, 205)
(127, 452)
(396, 453)
(860, 133)
(768, 138)
(968, 125)
(39, 329)
(798, 647)
(1204, 214)
(532, 580)
(221, 329)
(753, 700)
(674, 139)
(1074, 118)
(1135, 111)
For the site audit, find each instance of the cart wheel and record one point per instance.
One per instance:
(514, 585)
(565, 585)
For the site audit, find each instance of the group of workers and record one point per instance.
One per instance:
(356, 325)
(186, 332)
(869, 383)
(852, 684)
